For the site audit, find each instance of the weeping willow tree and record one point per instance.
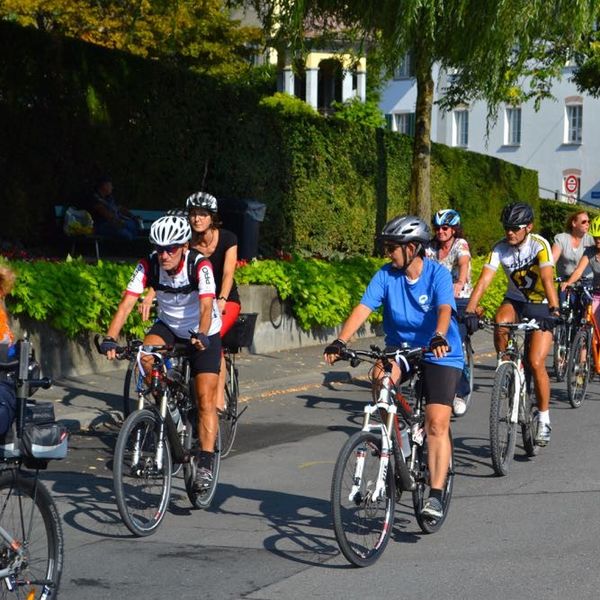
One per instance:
(497, 50)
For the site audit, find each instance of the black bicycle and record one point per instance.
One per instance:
(31, 536)
(573, 310)
(160, 434)
(386, 457)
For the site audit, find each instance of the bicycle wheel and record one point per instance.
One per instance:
(29, 515)
(502, 431)
(228, 418)
(142, 486)
(579, 367)
(560, 355)
(191, 445)
(132, 385)
(362, 524)
(529, 426)
(468, 368)
(423, 486)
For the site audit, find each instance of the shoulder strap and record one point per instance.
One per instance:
(194, 257)
(153, 278)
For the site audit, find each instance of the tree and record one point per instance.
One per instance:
(198, 34)
(492, 47)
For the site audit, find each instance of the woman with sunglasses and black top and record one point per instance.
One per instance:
(451, 249)
(526, 258)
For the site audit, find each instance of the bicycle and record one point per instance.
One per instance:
(31, 536)
(382, 460)
(162, 431)
(573, 312)
(512, 402)
(584, 355)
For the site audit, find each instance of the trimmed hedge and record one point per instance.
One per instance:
(71, 110)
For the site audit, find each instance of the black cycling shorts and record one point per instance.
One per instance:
(201, 361)
(528, 310)
(439, 383)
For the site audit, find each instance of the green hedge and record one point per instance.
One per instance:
(69, 110)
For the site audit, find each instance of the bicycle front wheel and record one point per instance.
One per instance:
(579, 367)
(423, 487)
(502, 431)
(228, 418)
(468, 369)
(560, 355)
(29, 516)
(191, 445)
(362, 522)
(142, 478)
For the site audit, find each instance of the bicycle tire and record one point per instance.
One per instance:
(361, 541)
(421, 491)
(560, 355)
(528, 427)
(469, 365)
(191, 445)
(130, 388)
(228, 417)
(142, 511)
(578, 370)
(502, 432)
(29, 514)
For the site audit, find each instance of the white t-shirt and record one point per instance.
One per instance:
(179, 311)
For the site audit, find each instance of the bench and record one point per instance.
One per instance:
(145, 217)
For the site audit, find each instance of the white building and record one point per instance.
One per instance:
(561, 141)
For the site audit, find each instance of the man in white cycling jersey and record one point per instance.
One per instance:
(526, 258)
(185, 292)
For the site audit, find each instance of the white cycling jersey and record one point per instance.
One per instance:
(522, 266)
(180, 312)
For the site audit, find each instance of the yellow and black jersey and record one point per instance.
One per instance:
(522, 266)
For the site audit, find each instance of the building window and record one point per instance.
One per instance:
(405, 123)
(406, 69)
(513, 126)
(574, 124)
(461, 128)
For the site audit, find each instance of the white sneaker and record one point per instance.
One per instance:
(543, 433)
(459, 406)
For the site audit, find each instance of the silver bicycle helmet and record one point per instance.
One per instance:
(405, 229)
(446, 216)
(170, 230)
(516, 213)
(202, 200)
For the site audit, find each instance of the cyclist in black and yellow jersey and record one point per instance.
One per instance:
(526, 258)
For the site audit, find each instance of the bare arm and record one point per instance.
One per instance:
(463, 273)
(482, 285)
(577, 273)
(547, 275)
(120, 317)
(228, 272)
(443, 323)
(556, 252)
(357, 317)
(146, 306)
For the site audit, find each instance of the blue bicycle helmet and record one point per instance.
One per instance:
(446, 216)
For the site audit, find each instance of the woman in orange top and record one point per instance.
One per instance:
(8, 401)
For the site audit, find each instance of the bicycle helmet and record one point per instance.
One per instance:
(594, 229)
(405, 229)
(515, 214)
(446, 216)
(170, 230)
(202, 200)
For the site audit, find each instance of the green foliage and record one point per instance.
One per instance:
(496, 290)
(287, 105)
(321, 293)
(72, 296)
(356, 111)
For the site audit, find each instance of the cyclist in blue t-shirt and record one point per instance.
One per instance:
(418, 309)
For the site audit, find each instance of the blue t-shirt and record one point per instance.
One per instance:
(410, 310)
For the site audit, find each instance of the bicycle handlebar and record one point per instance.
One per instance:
(131, 349)
(375, 353)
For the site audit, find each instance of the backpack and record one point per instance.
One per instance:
(192, 272)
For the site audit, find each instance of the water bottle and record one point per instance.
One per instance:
(176, 416)
(404, 440)
(417, 434)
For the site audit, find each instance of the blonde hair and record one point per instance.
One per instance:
(571, 219)
(7, 280)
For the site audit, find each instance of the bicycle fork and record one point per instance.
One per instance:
(519, 386)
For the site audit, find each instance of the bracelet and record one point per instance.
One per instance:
(222, 298)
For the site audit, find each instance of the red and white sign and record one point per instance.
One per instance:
(571, 184)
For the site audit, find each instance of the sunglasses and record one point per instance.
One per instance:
(515, 228)
(170, 250)
(583, 222)
(389, 248)
(443, 228)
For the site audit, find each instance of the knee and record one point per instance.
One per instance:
(437, 428)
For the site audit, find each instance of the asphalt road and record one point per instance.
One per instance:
(533, 534)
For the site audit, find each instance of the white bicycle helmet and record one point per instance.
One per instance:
(170, 230)
(202, 200)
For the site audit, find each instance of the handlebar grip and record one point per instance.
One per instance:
(44, 382)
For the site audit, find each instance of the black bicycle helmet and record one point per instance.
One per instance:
(515, 214)
(405, 229)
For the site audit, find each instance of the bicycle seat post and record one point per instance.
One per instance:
(22, 391)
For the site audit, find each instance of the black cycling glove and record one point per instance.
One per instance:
(201, 337)
(437, 341)
(336, 347)
(108, 343)
(471, 322)
(549, 323)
